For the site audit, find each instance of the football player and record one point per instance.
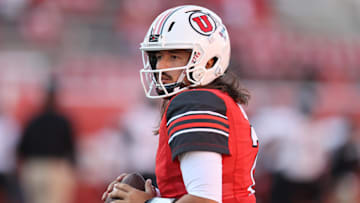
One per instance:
(207, 148)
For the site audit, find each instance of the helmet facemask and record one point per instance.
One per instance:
(151, 77)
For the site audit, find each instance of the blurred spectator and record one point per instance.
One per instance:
(297, 146)
(345, 170)
(46, 152)
(98, 157)
(9, 136)
(139, 123)
(276, 127)
(346, 159)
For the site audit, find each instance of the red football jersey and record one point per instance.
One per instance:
(207, 120)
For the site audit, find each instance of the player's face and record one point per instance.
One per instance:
(171, 58)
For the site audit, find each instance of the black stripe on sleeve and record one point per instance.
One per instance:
(199, 141)
(195, 100)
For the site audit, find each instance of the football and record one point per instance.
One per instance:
(135, 180)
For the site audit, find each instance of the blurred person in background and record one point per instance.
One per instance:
(139, 137)
(46, 154)
(298, 144)
(207, 148)
(345, 169)
(9, 137)
(98, 154)
(278, 124)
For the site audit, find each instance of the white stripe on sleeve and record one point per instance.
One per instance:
(196, 112)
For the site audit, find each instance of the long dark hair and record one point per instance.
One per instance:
(228, 83)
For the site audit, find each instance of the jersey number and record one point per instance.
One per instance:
(254, 138)
(255, 143)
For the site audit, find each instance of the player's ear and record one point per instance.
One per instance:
(210, 63)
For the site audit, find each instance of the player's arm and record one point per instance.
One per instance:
(198, 130)
(202, 175)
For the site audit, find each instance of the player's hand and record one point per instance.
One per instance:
(124, 193)
(111, 186)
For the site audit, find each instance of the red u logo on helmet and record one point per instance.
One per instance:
(202, 23)
(204, 19)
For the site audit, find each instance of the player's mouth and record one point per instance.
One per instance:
(165, 78)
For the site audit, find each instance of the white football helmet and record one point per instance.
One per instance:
(191, 28)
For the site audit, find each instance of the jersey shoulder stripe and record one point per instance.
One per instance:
(200, 119)
(194, 102)
(197, 120)
(199, 140)
(194, 113)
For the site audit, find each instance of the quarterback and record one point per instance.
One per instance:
(207, 148)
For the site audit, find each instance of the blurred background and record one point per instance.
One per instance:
(73, 115)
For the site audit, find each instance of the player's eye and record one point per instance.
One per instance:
(158, 56)
(174, 57)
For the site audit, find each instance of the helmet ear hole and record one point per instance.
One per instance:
(212, 63)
